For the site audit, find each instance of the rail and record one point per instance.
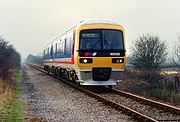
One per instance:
(120, 107)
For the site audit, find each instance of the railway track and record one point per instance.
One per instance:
(139, 108)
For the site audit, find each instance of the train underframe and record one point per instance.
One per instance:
(92, 77)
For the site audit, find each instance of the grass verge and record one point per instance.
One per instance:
(12, 109)
(165, 94)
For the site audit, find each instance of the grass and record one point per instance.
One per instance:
(13, 109)
(167, 95)
(17, 88)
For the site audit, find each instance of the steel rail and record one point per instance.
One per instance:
(128, 111)
(164, 106)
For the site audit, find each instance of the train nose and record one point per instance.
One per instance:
(101, 74)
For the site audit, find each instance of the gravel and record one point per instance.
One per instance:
(50, 100)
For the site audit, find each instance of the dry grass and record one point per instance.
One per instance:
(5, 92)
(2, 93)
(1, 87)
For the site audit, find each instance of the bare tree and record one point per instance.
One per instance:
(148, 53)
(176, 56)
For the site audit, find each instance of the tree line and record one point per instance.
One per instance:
(9, 60)
(36, 59)
(149, 52)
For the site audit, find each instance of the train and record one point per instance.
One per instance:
(92, 53)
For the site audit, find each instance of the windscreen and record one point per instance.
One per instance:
(101, 39)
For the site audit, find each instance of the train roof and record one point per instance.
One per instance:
(98, 21)
(88, 22)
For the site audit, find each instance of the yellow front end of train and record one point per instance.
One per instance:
(99, 53)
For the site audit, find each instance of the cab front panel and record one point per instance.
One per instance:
(97, 60)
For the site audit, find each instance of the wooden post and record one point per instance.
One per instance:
(178, 80)
(177, 83)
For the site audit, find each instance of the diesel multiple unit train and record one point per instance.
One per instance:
(91, 53)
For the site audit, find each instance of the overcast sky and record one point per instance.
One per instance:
(30, 24)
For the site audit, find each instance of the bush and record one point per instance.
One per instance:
(9, 60)
(166, 95)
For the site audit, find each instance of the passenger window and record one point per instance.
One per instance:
(51, 53)
(56, 50)
(48, 51)
(65, 46)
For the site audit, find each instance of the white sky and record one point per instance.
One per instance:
(30, 24)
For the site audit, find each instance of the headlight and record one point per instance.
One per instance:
(86, 60)
(117, 60)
